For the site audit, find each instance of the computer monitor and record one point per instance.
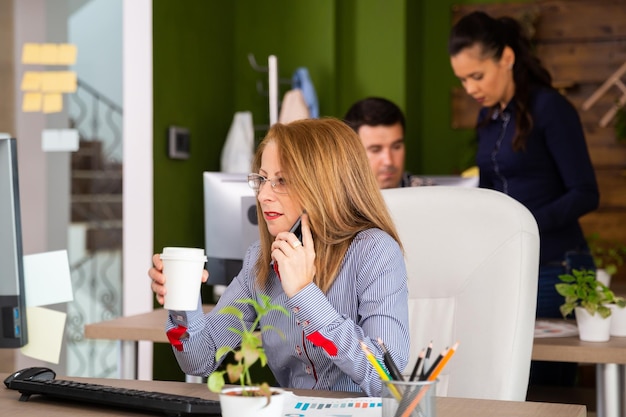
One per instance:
(451, 180)
(230, 223)
(13, 332)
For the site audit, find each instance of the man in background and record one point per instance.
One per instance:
(380, 124)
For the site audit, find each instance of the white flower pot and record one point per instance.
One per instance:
(618, 320)
(592, 328)
(233, 404)
(603, 277)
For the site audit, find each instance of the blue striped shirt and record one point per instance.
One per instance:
(368, 300)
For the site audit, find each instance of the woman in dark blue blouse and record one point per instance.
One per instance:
(531, 144)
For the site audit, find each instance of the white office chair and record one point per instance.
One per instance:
(472, 259)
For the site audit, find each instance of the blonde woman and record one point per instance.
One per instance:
(343, 280)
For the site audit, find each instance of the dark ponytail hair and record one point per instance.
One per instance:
(492, 36)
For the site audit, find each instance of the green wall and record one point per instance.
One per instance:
(193, 84)
(352, 49)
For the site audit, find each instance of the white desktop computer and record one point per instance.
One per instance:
(230, 223)
(12, 296)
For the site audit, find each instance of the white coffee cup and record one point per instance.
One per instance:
(182, 268)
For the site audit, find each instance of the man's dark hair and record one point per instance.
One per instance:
(374, 111)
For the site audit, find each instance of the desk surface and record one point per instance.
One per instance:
(151, 327)
(446, 407)
(572, 349)
(147, 326)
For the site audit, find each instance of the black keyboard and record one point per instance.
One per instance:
(146, 401)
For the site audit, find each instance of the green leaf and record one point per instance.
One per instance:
(250, 349)
(604, 311)
(581, 288)
(222, 351)
(233, 311)
(215, 382)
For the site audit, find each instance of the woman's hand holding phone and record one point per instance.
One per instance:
(295, 254)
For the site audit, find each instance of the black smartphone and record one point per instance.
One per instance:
(296, 229)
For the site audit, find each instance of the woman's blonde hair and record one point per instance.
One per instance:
(327, 172)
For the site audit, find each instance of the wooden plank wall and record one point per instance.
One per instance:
(7, 82)
(581, 43)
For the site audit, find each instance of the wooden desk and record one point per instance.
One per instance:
(446, 407)
(130, 331)
(609, 357)
(610, 362)
(147, 326)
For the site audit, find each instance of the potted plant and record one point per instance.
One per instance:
(591, 302)
(608, 256)
(260, 399)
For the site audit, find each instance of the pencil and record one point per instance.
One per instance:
(443, 362)
(380, 370)
(417, 369)
(391, 365)
(433, 376)
(426, 374)
(429, 349)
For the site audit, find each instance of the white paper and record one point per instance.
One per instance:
(300, 406)
(47, 279)
(555, 328)
(45, 334)
(59, 140)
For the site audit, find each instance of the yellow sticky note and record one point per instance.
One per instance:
(58, 82)
(45, 328)
(49, 54)
(31, 53)
(66, 54)
(52, 103)
(31, 81)
(31, 102)
(49, 82)
(67, 81)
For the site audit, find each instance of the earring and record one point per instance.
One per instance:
(510, 66)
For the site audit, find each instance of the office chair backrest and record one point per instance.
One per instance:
(472, 259)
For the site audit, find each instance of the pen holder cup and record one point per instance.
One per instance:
(409, 399)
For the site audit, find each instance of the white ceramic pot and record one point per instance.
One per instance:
(603, 277)
(618, 320)
(592, 328)
(234, 404)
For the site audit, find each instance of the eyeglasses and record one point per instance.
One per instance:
(279, 185)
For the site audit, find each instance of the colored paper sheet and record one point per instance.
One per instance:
(47, 278)
(66, 54)
(49, 54)
(31, 53)
(52, 103)
(301, 406)
(31, 102)
(45, 334)
(555, 328)
(58, 82)
(31, 81)
(59, 140)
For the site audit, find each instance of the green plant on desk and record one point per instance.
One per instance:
(606, 254)
(249, 351)
(582, 289)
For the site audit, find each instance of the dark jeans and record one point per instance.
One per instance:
(548, 303)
